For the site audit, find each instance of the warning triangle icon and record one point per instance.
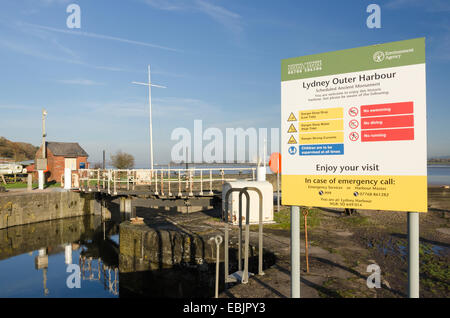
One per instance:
(292, 129)
(292, 117)
(292, 140)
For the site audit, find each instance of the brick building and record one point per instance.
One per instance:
(62, 155)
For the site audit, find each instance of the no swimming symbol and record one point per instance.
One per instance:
(353, 111)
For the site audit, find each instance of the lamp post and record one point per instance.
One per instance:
(149, 84)
(41, 171)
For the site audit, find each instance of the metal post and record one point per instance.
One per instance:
(240, 233)
(247, 239)
(114, 178)
(278, 190)
(168, 180)
(179, 182)
(156, 182)
(260, 228)
(210, 183)
(104, 161)
(295, 252)
(201, 182)
(218, 240)
(413, 255)
(162, 182)
(191, 179)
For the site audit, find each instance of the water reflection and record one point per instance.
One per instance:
(34, 258)
(97, 270)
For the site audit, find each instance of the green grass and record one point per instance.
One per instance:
(356, 220)
(283, 219)
(23, 185)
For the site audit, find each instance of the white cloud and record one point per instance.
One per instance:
(85, 82)
(101, 36)
(230, 20)
(31, 51)
(427, 5)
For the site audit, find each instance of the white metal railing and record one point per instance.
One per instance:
(170, 182)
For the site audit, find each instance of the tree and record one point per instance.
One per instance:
(122, 160)
(98, 165)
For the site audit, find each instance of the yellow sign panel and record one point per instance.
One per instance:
(292, 129)
(292, 117)
(321, 138)
(320, 114)
(321, 125)
(292, 140)
(353, 192)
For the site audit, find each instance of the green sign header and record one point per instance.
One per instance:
(365, 58)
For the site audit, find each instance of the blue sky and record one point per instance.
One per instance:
(219, 59)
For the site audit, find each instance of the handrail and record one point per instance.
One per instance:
(114, 180)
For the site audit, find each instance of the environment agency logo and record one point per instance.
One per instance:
(378, 56)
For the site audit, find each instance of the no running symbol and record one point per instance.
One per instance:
(354, 136)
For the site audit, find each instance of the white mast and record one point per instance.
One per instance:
(149, 84)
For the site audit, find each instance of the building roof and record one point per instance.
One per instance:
(68, 149)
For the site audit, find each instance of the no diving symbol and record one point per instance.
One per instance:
(354, 136)
(353, 124)
(353, 111)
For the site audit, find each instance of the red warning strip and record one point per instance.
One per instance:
(387, 134)
(387, 122)
(387, 109)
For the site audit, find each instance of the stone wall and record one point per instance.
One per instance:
(25, 208)
(146, 248)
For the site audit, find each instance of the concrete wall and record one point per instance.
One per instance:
(26, 208)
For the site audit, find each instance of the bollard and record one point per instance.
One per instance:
(29, 182)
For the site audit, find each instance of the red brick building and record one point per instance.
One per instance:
(62, 155)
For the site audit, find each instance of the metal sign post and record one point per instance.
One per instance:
(337, 137)
(413, 255)
(295, 252)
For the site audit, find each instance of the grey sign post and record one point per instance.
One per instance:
(413, 254)
(295, 252)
